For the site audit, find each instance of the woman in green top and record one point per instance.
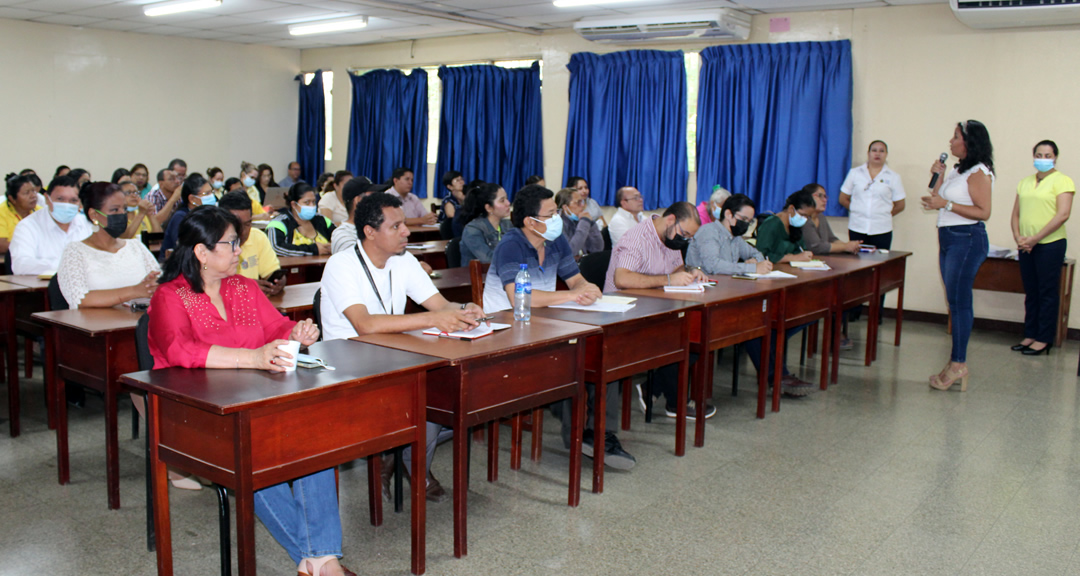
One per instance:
(1043, 203)
(779, 237)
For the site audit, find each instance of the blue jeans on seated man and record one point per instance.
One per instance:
(304, 519)
(753, 350)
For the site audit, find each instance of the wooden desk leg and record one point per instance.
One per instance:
(680, 412)
(493, 450)
(577, 427)
(872, 329)
(537, 434)
(781, 341)
(899, 316)
(60, 406)
(12, 366)
(703, 373)
(834, 337)
(763, 373)
(516, 424)
(599, 432)
(374, 464)
(245, 496)
(461, 483)
(419, 480)
(112, 440)
(159, 474)
(627, 398)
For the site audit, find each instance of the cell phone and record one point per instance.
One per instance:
(276, 275)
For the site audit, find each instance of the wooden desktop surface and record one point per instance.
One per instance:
(295, 301)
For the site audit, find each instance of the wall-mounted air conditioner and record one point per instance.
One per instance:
(720, 24)
(1016, 13)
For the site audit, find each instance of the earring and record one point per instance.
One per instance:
(204, 267)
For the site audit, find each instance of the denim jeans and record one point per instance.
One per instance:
(961, 250)
(1041, 272)
(303, 519)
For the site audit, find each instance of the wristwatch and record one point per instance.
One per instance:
(948, 206)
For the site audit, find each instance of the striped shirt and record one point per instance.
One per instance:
(642, 251)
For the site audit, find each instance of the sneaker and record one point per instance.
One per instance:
(691, 413)
(795, 387)
(846, 344)
(614, 455)
(640, 397)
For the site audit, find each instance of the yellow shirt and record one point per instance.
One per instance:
(299, 239)
(1038, 204)
(144, 226)
(256, 206)
(257, 258)
(9, 218)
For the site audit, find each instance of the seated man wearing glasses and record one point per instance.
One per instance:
(649, 255)
(719, 248)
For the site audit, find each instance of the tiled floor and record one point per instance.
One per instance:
(880, 475)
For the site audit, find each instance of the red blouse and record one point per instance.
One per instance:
(185, 324)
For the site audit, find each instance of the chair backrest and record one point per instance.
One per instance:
(149, 238)
(477, 271)
(142, 343)
(606, 235)
(446, 229)
(5, 266)
(594, 267)
(56, 297)
(316, 310)
(453, 253)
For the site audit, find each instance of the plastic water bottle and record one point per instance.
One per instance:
(523, 294)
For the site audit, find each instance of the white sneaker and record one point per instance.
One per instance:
(640, 397)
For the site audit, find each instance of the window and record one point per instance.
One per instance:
(693, 66)
(328, 94)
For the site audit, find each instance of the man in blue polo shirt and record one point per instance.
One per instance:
(537, 240)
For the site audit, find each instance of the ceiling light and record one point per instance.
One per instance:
(163, 8)
(324, 26)
(570, 3)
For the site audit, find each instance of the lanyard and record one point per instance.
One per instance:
(372, 281)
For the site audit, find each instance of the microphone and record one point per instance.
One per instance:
(934, 176)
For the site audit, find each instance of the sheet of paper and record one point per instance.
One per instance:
(773, 274)
(479, 332)
(598, 306)
(612, 299)
(429, 225)
(424, 246)
(811, 265)
(692, 287)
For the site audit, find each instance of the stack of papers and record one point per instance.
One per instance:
(599, 306)
(692, 287)
(773, 274)
(480, 331)
(810, 265)
(612, 299)
(424, 246)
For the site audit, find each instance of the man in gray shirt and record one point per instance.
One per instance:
(718, 247)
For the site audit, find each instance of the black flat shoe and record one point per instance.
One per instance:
(1034, 352)
(1019, 347)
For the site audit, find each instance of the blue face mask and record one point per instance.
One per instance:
(797, 220)
(715, 213)
(1044, 164)
(209, 200)
(554, 228)
(64, 213)
(573, 217)
(132, 208)
(248, 181)
(307, 212)
(217, 184)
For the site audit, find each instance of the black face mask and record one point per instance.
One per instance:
(677, 242)
(115, 225)
(739, 228)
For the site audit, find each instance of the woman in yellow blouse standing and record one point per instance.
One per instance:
(1043, 203)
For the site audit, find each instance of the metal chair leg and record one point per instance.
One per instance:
(223, 526)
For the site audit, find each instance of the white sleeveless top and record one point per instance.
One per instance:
(955, 189)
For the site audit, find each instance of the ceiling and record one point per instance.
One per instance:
(265, 21)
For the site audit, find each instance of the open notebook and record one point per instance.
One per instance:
(480, 331)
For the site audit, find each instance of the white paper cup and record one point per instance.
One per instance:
(293, 347)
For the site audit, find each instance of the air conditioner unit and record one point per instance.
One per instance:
(723, 24)
(1016, 13)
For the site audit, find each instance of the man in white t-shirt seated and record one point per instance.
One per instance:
(630, 203)
(364, 291)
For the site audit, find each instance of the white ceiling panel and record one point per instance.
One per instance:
(266, 21)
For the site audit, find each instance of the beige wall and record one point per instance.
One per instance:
(100, 100)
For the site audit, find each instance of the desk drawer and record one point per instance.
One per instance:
(735, 318)
(857, 286)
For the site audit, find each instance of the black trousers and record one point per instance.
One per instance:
(876, 240)
(1041, 272)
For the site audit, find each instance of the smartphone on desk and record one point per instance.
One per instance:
(276, 275)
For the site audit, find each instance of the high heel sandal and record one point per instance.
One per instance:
(1033, 352)
(313, 566)
(945, 380)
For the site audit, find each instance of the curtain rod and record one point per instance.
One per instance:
(354, 69)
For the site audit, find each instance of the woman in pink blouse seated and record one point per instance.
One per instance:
(203, 315)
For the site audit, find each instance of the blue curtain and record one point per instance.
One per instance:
(311, 128)
(627, 124)
(490, 125)
(389, 125)
(773, 118)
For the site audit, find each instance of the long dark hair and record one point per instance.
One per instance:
(979, 148)
(192, 184)
(205, 225)
(477, 200)
(802, 199)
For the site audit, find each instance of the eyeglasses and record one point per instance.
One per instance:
(679, 230)
(233, 244)
(742, 218)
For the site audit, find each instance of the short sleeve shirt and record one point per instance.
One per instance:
(515, 250)
(872, 199)
(345, 284)
(1038, 204)
(9, 218)
(257, 257)
(642, 251)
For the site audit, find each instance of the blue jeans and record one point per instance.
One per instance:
(1041, 272)
(962, 249)
(303, 519)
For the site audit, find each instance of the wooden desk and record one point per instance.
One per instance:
(652, 334)
(98, 346)
(527, 366)
(28, 280)
(858, 284)
(453, 283)
(303, 269)
(296, 301)
(733, 312)
(16, 300)
(424, 233)
(1003, 275)
(435, 256)
(239, 429)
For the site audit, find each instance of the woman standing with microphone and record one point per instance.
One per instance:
(1043, 203)
(962, 200)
